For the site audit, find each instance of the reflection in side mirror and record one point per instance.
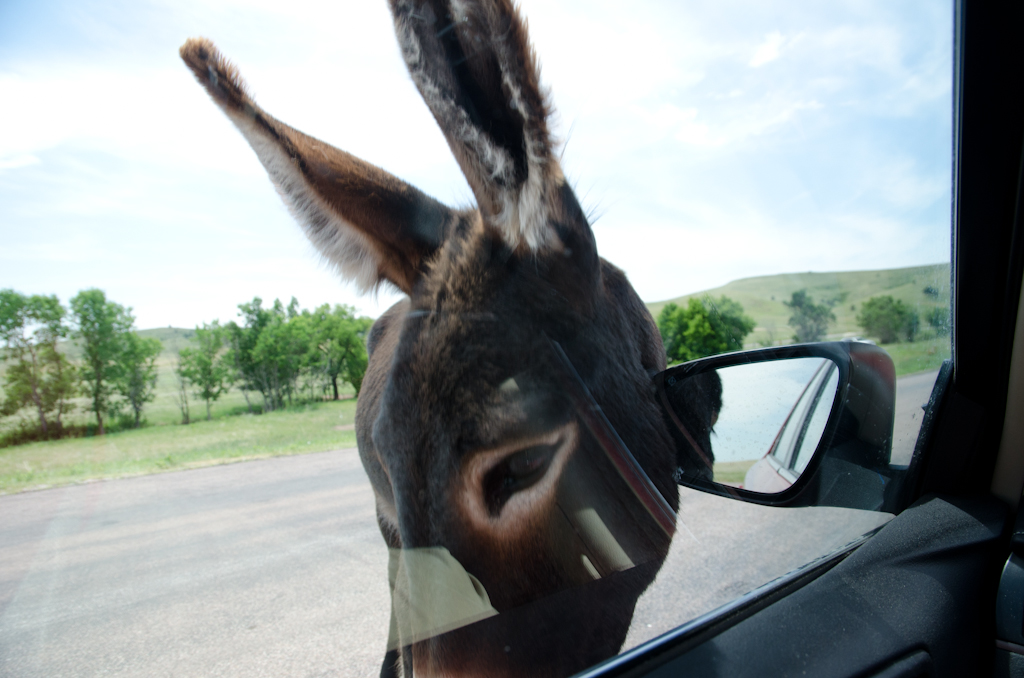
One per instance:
(754, 425)
(802, 425)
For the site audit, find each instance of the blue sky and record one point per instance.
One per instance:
(712, 140)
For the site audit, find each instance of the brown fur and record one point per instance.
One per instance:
(465, 376)
(404, 226)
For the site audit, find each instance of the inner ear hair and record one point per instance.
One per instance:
(371, 226)
(474, 66)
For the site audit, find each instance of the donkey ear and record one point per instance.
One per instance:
(370, 225)
(477, 72)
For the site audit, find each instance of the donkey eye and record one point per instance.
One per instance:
(516, 473)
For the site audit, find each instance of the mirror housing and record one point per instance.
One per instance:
(851, 465)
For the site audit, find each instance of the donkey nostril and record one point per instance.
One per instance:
(527, 461)
(516, 473)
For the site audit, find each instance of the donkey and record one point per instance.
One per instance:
(521, 464)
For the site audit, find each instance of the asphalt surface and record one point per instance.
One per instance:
(276, 568)
(912, 394)
(266, 568)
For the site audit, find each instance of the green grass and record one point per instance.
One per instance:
(762, 297)
(172, 338)
(164, 408)
(311, 428)
(732, 472)
(919, 356)
(164, 445)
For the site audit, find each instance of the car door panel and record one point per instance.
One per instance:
(884, 610)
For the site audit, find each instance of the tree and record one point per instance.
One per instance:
(281, 345)
(809, 319)
(137, 379)
(179, 374)
(207, 367)
(246, 372)
(888, 319)
(100, 326)
(704, 327)
(339, 347)
(769, 334)
(38, 374)
(355, 369)
(938, 318)
(280, 354)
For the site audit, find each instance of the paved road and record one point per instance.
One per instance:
(268, 568)
(275, 568)
(912, 393)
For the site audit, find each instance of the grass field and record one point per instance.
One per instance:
(762, 297)
(234, 435)
(732, 472)
(919, 356)
(310, 428)
(164, 409)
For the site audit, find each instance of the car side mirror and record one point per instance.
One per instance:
(803, 425)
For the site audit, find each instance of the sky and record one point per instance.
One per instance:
(710, 141)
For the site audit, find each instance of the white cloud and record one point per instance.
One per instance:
(768, 50)
(721, 243)
(706, 164)
(14, 161)
(692, 127)
(903, 183)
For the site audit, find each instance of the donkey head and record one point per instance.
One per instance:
(507, 422)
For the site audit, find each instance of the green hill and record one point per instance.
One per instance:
(762, 297)
(173, 339)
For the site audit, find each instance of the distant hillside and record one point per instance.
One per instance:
(762, 297)
(173, 338)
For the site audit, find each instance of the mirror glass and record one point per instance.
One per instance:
(754, 426)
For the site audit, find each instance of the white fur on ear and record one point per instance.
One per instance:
(520, 207)
(347, 250)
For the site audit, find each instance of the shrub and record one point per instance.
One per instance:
(939, 319)
(810, 320)
(888, 319)
(704, 327)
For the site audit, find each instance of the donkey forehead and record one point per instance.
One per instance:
(463, 379)
(478, 277)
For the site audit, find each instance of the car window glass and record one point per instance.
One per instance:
(758, 173)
